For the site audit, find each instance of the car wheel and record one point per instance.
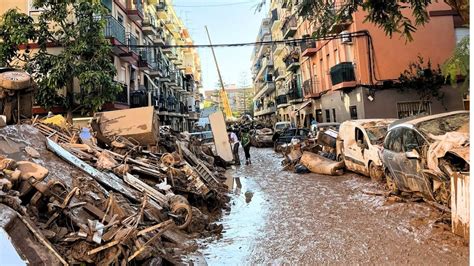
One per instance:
(374, 173)
(391, 183)
(340, 158)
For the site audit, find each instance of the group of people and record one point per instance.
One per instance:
(244, 136)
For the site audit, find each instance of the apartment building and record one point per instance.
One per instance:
(262, 74)
(238, 98)
(352, 76)
(168, 78)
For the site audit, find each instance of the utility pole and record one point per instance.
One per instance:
(225, 100)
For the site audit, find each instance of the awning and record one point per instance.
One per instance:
(304, 105)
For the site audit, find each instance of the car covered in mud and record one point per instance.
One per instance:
(285, 137)
(262, 137)
(358, 144)
(421, 154)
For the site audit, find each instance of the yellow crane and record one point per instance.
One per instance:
(222, 92)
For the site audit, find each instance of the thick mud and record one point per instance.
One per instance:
(280, 217)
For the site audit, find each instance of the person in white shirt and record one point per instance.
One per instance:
(234, 144)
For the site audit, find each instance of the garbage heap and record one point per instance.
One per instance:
(316, 155)
(89, 196)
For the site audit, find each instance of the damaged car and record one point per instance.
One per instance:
(262, 137)
(421, 154)
(358, 144)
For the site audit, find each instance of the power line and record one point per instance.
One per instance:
(218, 5)
(294, 42)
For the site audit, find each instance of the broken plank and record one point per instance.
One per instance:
(108, 180)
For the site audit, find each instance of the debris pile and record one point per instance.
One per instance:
(110, 198)
(316, 155)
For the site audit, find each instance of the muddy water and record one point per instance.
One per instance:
(311, 219)
(279, 217)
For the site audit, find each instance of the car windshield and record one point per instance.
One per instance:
(281, 126)
(376, 134)
(442, 125)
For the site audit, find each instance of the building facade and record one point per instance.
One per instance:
(351, 76)
(152, 74)
(238, 98)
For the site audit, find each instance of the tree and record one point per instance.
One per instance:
(458, 64)
(77, 28)
(423, 79)
(388, 15)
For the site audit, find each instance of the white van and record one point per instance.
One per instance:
(358, 145)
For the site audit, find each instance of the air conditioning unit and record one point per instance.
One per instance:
(345, 37)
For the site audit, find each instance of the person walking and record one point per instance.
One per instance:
(246, 144)
(234, 143)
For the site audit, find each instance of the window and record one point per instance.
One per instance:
(334, 114)
(394, 140)
(407, 109)
(359, 136)
(411, 140)
(353, 111)
(120, 18)
(328, 116)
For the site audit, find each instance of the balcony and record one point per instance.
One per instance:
(107, 4)
(159, 39)
(148, 27)
(343, 75)
(295, 95)
(278, 48)
(156, 68)
(170, 25)
(144, 59)
(342, 24)
(289, 27)
(265, 111)
(162, 10)
(308, 48)
(292, 61)
(122, 96)
(282, 101)
(115, 32)
(135, 10)
(311, 88)
(138, 99)
(132, 42)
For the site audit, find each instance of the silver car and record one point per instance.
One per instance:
(412, 158)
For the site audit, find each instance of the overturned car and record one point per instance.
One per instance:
(420, 155)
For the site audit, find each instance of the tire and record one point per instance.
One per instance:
(374, 174)
(391, 183)
(15, 80)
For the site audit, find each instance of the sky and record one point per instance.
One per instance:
(228, 21)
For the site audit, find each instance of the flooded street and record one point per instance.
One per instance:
(280, 217)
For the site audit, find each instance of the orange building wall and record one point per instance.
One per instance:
(434, 41)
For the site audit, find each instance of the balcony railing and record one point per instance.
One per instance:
(342, 72)
(281, 99)
(310, 88)
(138, 99)
(132, 42)
(295, 93)
(308, 48)
(289, 27)
(274, 16)
(114, 29)
(122, 96)
(107, 4)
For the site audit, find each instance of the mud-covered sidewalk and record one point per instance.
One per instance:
(281, 217)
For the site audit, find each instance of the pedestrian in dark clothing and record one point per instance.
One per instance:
(246, 144)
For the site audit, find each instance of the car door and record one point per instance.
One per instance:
(411, 165)
(356, 146)
(392, 156)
